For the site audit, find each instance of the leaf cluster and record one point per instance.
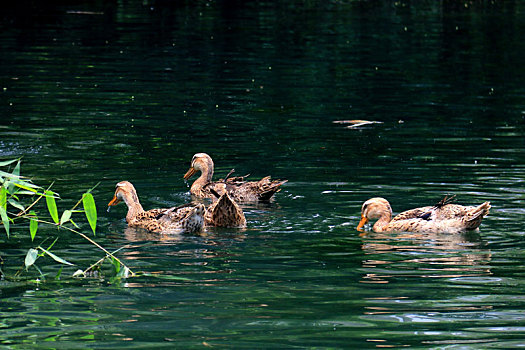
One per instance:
(14, 188)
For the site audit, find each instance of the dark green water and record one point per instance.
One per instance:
(111, 91)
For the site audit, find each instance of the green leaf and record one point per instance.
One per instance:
(30, 193)
(16, 204)
(52, 205)
(16, 170)
(5, 220)
(9, 186)
(56, 258)
(78, 273)
(3, 209)
(124, 272)
(33, 225)
(9, 175)
(59, 273)
(3, 197)
(66, 216)
(28, 186)
(7, 162)
(91, 210)
(116, 265)
(31, 256)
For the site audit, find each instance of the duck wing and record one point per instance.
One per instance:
(440, 211)
(450, 218)
(185, 218)
(423, 213)
(261, 190)
(469, 217)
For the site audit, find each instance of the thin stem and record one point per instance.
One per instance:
(82, 198)
(88, 239)
(102, 259)
(35, 202)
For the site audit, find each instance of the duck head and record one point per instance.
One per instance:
(374, 208)
(203, 163)
(126, 192)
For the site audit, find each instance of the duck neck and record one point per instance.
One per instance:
(205, 178)
(382, 222)
(134, 206)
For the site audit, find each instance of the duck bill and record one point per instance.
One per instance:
(363, 222)
(113, 202)
(189, 173)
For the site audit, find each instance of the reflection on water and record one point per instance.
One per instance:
(409, 266)
(424, 255)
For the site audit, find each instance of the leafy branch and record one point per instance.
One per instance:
(13, 186)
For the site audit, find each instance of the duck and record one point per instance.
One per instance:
(443, 217)
(237, 187)
(188, 218)
(224, 212)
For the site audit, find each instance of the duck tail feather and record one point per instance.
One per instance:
(270, 189)
(447, 200)
(477, 214)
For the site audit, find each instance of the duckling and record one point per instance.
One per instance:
(238, 189)
(186, 218)
(440, 218)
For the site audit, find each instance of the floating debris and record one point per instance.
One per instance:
(356, 123)
(84, 13)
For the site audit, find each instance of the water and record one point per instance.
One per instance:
(93, 92)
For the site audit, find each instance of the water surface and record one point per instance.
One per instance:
(93, 92)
